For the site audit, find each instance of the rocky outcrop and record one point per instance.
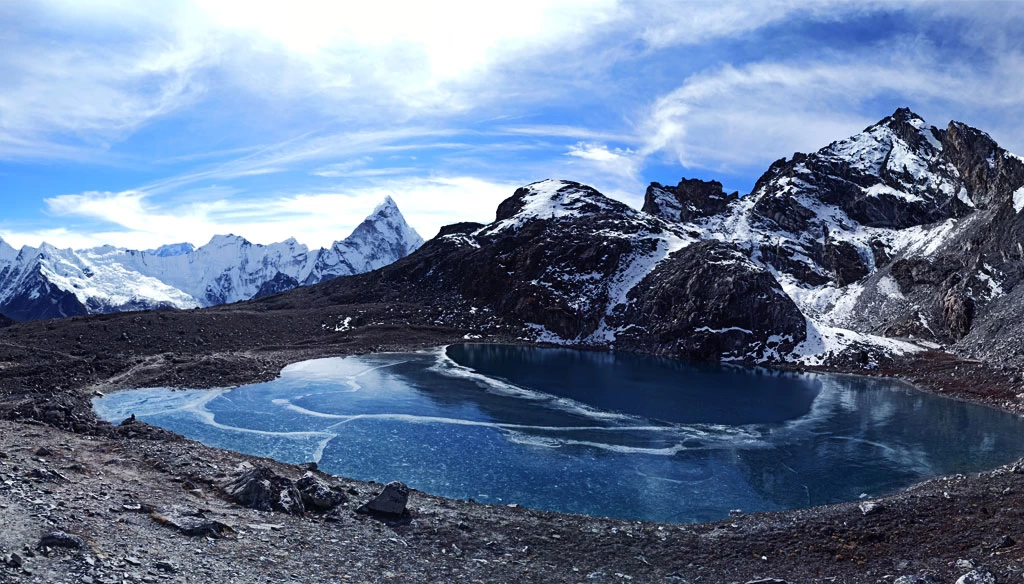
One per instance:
(318, 495)
(277, 284)
(707, 301)
(265, 490)
(691, 199)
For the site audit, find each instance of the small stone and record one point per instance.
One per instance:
(1005, 542)
(60, 539)
(390, 502)
(44, 451)
(14, 561)
(769, 581)
(133, 561)
(965, 564)
(977, 576)
(165, 567)
(870, 507)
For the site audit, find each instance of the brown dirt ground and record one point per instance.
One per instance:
(48, 371)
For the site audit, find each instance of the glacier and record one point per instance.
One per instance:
(49, 282)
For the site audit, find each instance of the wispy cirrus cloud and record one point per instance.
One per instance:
(231, 116)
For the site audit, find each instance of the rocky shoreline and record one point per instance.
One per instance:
(119, 492)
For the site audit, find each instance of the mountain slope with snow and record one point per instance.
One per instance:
(902, 238)
(49, 282)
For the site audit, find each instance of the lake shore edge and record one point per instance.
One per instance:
(928, 527)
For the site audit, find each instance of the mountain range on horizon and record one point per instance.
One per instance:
(48, 282)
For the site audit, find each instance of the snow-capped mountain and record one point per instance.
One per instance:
(900, 238)
(48, 282)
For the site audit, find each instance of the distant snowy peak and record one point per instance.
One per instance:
(173, 249)
(7, 253)
(381, 239)
(49, 282)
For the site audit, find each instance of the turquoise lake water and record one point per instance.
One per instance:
(594, 433)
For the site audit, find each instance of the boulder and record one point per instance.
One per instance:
(190, 522)
(60, 539)
(390, 503)
(870, 507)
(265, 490)
(318, 495)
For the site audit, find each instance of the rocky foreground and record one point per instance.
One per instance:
(84, 501)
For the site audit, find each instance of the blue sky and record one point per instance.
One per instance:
(144, 123)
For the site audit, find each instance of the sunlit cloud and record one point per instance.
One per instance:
(176, 121)
(135, 220)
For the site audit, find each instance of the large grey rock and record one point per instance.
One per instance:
(191, 522)
(61, 539)
(265, 490)
(318, 495)
(389, 503)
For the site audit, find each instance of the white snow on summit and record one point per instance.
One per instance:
(227, 269)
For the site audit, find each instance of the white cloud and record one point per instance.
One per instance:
(136, 220)
(736, 118)
(598, 152)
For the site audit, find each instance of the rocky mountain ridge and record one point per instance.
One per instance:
(900, 239)
(49, 282)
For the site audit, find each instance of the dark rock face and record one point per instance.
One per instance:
(6, 322)
(690, 199)
(38, 299)
(709, 300)
(464, 228)
(390, 503)
(265, 490)
(894, 175)
(555, 258)
(278, 283)
(844, 261)
(957, 309)
(989, 174)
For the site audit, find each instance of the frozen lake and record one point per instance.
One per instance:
(595, 433)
